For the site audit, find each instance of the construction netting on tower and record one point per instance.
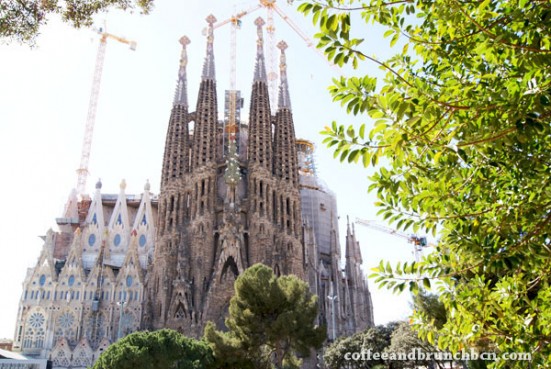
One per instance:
(319, 203)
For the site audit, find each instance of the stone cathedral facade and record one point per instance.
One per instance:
(232, 194)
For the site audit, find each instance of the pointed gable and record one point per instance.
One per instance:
(119, 229)
(100, 276)
(61, 354)
(131, 265)
(72, 275)
(144, 226)
(95, 212)
(94, 232)
(82, 354)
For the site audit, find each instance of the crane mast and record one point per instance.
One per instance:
(82, 171)
(231, 128)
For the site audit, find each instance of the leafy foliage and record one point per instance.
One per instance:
(376, 339)
(428, 305)
(404, 340)
(271, 319)
(20, 20)
(392, 340)
(460, 135)
(162, 349)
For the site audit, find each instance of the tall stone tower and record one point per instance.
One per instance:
(223, 209)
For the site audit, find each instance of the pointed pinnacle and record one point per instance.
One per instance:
(208, 67)
(260, 67)
(284, 100)
(184, 40)
(259, 22)
(282, 45)
(180, 97)
(211, 19)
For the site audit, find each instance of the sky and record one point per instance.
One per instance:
(44, 96)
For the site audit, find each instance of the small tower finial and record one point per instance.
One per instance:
(284, 100)
(123, 185)
(211, 19)
(260, 68)
(98, 184)
(208, 67)
(147, 186)
(180, 97)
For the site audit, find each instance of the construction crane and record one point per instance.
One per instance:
(270, 6)
(419, 242)
(82, 170)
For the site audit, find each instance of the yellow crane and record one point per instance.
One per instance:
(82, 171)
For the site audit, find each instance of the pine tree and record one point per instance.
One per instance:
(271, 321)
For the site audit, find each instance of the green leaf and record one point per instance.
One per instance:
(388, 33)
(362, 131)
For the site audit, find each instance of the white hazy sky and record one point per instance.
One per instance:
(44, 94)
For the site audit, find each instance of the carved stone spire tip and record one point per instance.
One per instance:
(208, 67)
(180, 96)
(211, 19)
(284, 99)
(260, 68)
(282, 45)
(184, 41)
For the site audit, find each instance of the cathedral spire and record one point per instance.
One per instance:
(285, 148)
(260, 67)
(260, 119)
(353, 252)
(176, 156)
(205, 133)
(284, 101)
(208, 67)
(180, 97)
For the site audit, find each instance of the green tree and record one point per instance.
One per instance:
(20, 20)
(376, 339)
(428, 305)
(271, 320)
(404, 341)
(162, 349)
(460, 139)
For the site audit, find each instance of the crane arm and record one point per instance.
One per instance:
(382, 228)
(82, 171)
(293, 25)
(234, 18)
(123, 40)
(419, 242)
(299, 32)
